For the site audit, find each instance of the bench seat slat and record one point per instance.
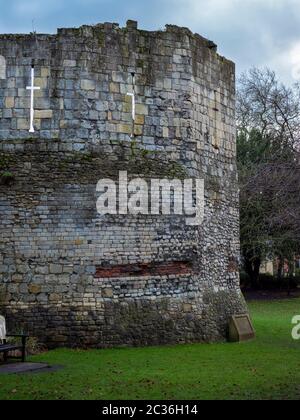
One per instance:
(8, 347)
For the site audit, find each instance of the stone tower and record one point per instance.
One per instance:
(70, 276)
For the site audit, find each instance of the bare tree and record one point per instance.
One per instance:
(268, 119)
(265, 104)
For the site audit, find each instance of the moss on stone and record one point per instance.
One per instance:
(90, 166)
(3, 295)
(100, 36)
(213, 183)
(5, 161)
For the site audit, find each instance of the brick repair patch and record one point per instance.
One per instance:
(145, 269)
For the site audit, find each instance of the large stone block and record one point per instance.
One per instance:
(43, 113)
(88, 84)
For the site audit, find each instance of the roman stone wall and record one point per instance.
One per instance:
(71, 276)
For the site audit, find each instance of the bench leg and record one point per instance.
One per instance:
(5, 356)
(23, 349)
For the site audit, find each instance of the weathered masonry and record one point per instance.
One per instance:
(70, 276)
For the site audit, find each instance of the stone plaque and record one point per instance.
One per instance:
(241, 328)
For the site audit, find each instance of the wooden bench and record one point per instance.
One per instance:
(6, 347)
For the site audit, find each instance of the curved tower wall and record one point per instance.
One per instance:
(71, 276)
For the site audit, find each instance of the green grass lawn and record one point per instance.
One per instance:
(267, 368)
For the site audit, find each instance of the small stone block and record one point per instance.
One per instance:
(131, 24)
(9, 102)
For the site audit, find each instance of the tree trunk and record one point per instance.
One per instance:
(280, 271)
(252, 268)
(256, 268)
(291, 275)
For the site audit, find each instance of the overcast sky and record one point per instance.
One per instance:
(249, 32)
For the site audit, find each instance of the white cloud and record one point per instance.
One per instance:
(294, 61)
(250, 32)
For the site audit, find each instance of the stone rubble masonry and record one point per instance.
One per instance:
(72, 277)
